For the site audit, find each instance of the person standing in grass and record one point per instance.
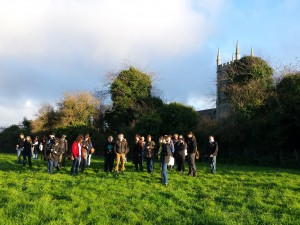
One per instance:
(64, 150)
(181, 147)
(109, 155)
(20, 147)
(191, 150)
(120, 149)
(176, 142)
(149, 153)
(35, 147)
(27, 152)
(171, 144)
(87, 143)
(76, 153)
(165, 158)
(138, 153)
(53, 156)
(212, 153)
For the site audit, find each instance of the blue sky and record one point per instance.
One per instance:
(49, 47)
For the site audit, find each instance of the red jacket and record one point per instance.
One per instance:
(75, 149)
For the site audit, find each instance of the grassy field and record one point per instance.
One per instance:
(236, 195)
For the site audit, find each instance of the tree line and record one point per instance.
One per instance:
(262, 126)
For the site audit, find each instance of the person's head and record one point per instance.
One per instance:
(166, 138)
(175, 136)
(169, 138)
(137, 137)
(22, 135)
(79, 139)
(143, 138)
(149, 138)
(51, 136)
(63, 137)
(181, 138)
(87, 137)
(190, 134)
(121, 137)
(57, 141)
(160, 140)
(211, 138)
(110, 138)
(28, 138)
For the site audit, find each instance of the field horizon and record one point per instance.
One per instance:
(235, 195)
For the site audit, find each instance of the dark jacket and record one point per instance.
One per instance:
(165, 153)
(109, 148)
(191, 145)
(181, 146)
(20, 142)
(121, 147)
(212, 148)
(27, 149)
(150, 152)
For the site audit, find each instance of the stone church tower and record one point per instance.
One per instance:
(222, 103)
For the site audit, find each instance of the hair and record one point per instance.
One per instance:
(21, 134)
(79, 138)
(148, 136)
(190, 133)
(210, 136)
(138, 136)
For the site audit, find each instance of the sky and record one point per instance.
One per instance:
(48, 47)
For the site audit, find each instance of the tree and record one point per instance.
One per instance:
(47, 118)
(178, 118)
(287, 114)
(131, 95)
(248, 85)
(74, 109)
(78, 109)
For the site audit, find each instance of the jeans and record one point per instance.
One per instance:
(51, 164)
(75, 165)
(213, 164)
(149, 165)
(19, 153)
(164, 172)
(192, 164)
(83, 164)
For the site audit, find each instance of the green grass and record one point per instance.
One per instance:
(236, 195)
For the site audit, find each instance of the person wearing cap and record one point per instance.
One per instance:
(191, 150)
(149, 153)
(64, 150)
(20, 147)
(87, 144)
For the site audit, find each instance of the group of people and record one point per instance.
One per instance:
(54, 150)
(171, 150)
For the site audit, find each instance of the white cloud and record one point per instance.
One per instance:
(201, 102)
(104, 30)
(14, 113)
